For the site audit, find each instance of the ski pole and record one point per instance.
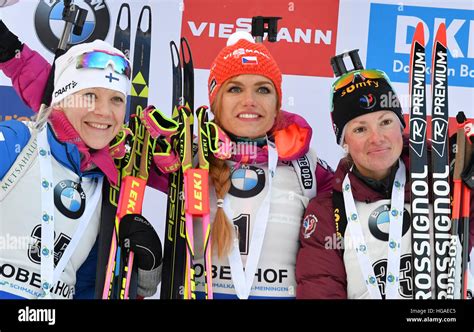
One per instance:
(186, 153)
(203, 171)
(74, 16)
(456, 231)
(465, 204)
(132, 192)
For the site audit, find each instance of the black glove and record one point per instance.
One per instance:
(10, 45)
(136, 233)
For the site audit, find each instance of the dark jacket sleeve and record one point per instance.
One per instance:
(320, 272)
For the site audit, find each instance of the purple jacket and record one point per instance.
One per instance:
(320, 271)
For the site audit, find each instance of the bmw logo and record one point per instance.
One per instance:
(49, 24)
(70, 199)
(379, 222)
(247, 181)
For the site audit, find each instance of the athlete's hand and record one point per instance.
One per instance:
(10, 45)
(136, 233)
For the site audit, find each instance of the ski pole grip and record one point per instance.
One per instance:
(354, 55)
(339, 67)
(80, 20)
(74, 17)
(261, 24)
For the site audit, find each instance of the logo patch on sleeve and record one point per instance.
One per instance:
(309, 225)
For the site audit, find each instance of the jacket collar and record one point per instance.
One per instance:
(71, 151)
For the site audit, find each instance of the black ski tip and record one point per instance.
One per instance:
(145, 8)
(186, 51)
(461, 117)
(124, 6)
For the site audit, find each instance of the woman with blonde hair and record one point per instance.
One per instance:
(258, 195)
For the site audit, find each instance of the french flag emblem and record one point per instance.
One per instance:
(249, 60)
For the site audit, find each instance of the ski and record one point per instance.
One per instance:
(174, 256)
(420, 220)
(141, 68)
(122, 36)
(141, 139)
(111, 192)
(440, 162)
(172, 282)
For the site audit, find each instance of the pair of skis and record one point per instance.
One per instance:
(134, 167)
(445, 224)
(188, 189)
(174, 266)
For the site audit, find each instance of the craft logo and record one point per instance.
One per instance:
(391, 31)
(65, 88)
(305, 43)
(49, 23)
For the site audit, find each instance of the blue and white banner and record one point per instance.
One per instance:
(388, 49)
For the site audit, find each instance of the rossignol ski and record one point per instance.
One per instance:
(450, 228)
(420, 221)
(440, 162)
(174, 256)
